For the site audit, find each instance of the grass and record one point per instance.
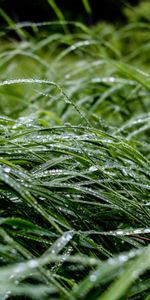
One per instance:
(74, 162)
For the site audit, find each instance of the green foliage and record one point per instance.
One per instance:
(58, 12)
(87, 6)
(75, 162)
(139, 13)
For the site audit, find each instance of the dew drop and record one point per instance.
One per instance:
(7, 169)
(123, 258)
(32, 263)
(93, 278)
(93, 169)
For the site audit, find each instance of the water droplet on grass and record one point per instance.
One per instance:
(92, 278)
(32, 263)
(93, 169)
(119, 232)
(6, 296)
(7, 169)
(123, 258)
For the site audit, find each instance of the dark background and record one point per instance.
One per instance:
(40, 10)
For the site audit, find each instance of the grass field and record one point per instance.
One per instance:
(75, 160)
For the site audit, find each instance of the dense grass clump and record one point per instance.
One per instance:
(74, 162)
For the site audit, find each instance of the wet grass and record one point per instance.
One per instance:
(74, 162)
